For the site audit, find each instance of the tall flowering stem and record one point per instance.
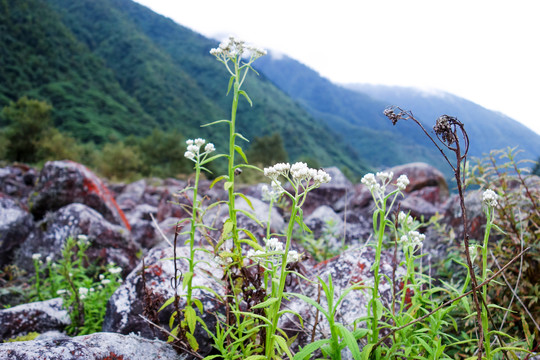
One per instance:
(233, 54)
(448, 131)
(377, 185)
(303, 180)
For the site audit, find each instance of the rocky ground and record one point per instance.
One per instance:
(39, 210)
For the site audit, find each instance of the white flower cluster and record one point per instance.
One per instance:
(36, 257)
(376, 188)
(413, 238)
(115, 270)
(490, 198)
(232, 48)
(402, 182)
(473, 252)
(271, 194)
(273, 245)
(405, 219)
(194, 148)
(83, 292)
(298, 171)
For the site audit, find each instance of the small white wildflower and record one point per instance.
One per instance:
(293, 256)
(402, 217)
(83, 292)
(473, 252)
(402, 182)
(415, 238)
(193, 148)
(490, 198)
(83, 238)
(189, 155)
(299, 171)
(36, 256)
(274, 245)
(61, 292)
(115, 270)
(49, 259)
(101, 276)
(209, 148)
(271, 173)
(189, 142)
(385, 176)
(369, 180)
(322, 177)
(254, 253)
(199, 142)
(105, 281)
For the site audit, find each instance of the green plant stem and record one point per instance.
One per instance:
(278, 293)
(485, 320)
(192, 234)
(376, 277)
(232, 140)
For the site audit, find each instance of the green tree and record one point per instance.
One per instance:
(55, 145)
(162, 153)
(118, 161)
(267, 150)
(28, 120)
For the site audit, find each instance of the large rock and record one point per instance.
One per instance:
(130, 300)
(98, 346)
(15, 225)
(37, 317)
(17, 180)
(66, 182)
(108, 242)
(422, 175)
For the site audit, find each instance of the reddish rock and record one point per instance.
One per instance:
(422, 175)
(66, 182)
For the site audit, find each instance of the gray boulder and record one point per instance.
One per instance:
(38, 317)
(15, 225)
(98, 346)
(135, 298)
(108, 242)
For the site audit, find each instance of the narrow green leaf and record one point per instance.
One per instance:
(231, 81)
(227, 185)
(188, 275)
(212, 159)
(199, 304)
(366, 351)
(218, 179)
(241, 136)
(350, 341)
(191, 318)
(243, 93)
(227, 228)
(167, 303)
(216, 122)
(283, 345)
(310, 349)
(256, 357)
(192, 342)
(246, 199)
(250, 215)
(265, 303)
(171, 319)
(239, 150)
(311, 302)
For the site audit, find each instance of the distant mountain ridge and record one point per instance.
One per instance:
(355, 112)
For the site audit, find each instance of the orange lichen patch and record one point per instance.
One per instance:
(155, 270)
(93, 187)
(113, 356)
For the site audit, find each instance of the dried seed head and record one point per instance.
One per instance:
(443, 128)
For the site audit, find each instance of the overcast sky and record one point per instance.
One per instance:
(487, 51)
